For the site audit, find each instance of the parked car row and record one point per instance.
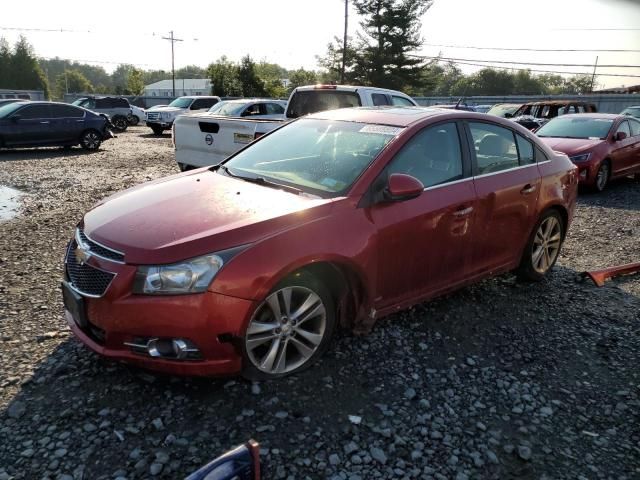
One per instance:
(37, 124)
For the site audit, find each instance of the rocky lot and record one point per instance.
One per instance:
(500, 380)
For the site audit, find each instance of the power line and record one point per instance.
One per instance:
(534, 63)
(533, 69)
(80, 60)
(471, 47)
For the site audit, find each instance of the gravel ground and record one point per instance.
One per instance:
(500, 380)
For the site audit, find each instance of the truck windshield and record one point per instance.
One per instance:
(305, 102)
(181, 102)
(322, 157)
(574, 127)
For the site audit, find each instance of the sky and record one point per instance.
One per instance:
(293, 32)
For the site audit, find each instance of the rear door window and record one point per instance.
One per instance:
(311, 101)
(379, 99)
(66, 111)
(202, 103)
(274, 109)
(401, 101)
(525, 150)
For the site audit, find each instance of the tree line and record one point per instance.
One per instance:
(384, 52)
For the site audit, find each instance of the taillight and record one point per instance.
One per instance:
(325, 87)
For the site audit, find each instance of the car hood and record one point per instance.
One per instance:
(195, 213)
(164, 108)
(571, 146)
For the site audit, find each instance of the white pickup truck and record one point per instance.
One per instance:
(206, 139)
(161, 117)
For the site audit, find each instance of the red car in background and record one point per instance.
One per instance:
(603, 146)
(340, 217)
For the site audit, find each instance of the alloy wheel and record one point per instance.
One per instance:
(546, 244)
(602, 177)
(91, 140)
(286, 330)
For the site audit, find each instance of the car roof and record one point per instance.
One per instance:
(247, 100)
(395, 116)
(558, 102)
(601, 116)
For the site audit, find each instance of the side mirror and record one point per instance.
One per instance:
(619, 136)
(403, 187)
(508, 115)
(16, 118)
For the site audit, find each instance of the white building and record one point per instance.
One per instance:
(184, 86)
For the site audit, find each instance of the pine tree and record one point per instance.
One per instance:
(382, 55)
(24, 72)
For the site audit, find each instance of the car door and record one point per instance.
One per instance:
(67, 122)
(424, 244)
(634, 159)
(32, 126)
(622, 150)
(507, 183)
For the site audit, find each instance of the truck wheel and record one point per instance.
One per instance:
(157, 130)
(119, 123)
(133, 120)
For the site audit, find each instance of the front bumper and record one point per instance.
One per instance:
(587, 172)
(160, 124)
(211, 321)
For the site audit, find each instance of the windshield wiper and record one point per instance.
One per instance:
(261, 181)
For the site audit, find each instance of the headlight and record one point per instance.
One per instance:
(190, 276)
(580, 158)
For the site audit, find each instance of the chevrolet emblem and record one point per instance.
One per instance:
(82, 255)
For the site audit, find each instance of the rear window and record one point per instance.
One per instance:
(311, 101)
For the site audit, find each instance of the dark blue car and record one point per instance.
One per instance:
(39, 124)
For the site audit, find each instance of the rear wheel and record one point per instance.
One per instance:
(603, 176)
(290, 329)
(90, 140)
(157, 130)
(543, 248)
(119, 123)
(133, 120)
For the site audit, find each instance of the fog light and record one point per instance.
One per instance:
(165, 348)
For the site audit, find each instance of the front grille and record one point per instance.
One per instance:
(85, 278)
(100, 250)
(153, 116)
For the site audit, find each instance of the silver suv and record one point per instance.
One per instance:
(116, 109)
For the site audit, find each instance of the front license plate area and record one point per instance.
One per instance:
(74, 303)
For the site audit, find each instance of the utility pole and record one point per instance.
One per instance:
(344, 44)
(173, 68)
(593, 77)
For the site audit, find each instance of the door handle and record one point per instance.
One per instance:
(463, 212)
(527, 189)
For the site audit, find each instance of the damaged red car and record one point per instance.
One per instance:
(339, 217)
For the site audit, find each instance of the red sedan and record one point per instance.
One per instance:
(340, 217)
(603, 146)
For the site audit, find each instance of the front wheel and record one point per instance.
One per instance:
(90, 140)
(603, 176)
(289, 330)
(119, 123)
(543, 248)
(133, 120)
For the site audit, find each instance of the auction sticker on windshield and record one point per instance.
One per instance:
(381, 129)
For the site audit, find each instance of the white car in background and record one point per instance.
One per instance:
(137, 115)
(266, 108)
(161, 117)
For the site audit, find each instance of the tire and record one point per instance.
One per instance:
(603, 176)
(133, 120)
(119, 123)
(157, 130)
(543, 247)
(273, 325)
(90, 140)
